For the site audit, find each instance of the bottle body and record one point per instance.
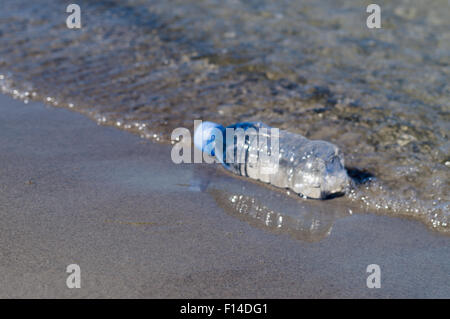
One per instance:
(311, 168)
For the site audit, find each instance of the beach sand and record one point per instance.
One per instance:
(73, 192)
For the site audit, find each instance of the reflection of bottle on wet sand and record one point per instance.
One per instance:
(308, 224)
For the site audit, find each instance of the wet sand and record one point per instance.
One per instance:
(140, 226)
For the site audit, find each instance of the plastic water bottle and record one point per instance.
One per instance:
(311, 168)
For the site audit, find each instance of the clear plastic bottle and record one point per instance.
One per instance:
(314, 169)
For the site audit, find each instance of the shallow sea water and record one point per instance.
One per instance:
(310, 67)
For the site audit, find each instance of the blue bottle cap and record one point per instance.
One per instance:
(204, 136)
